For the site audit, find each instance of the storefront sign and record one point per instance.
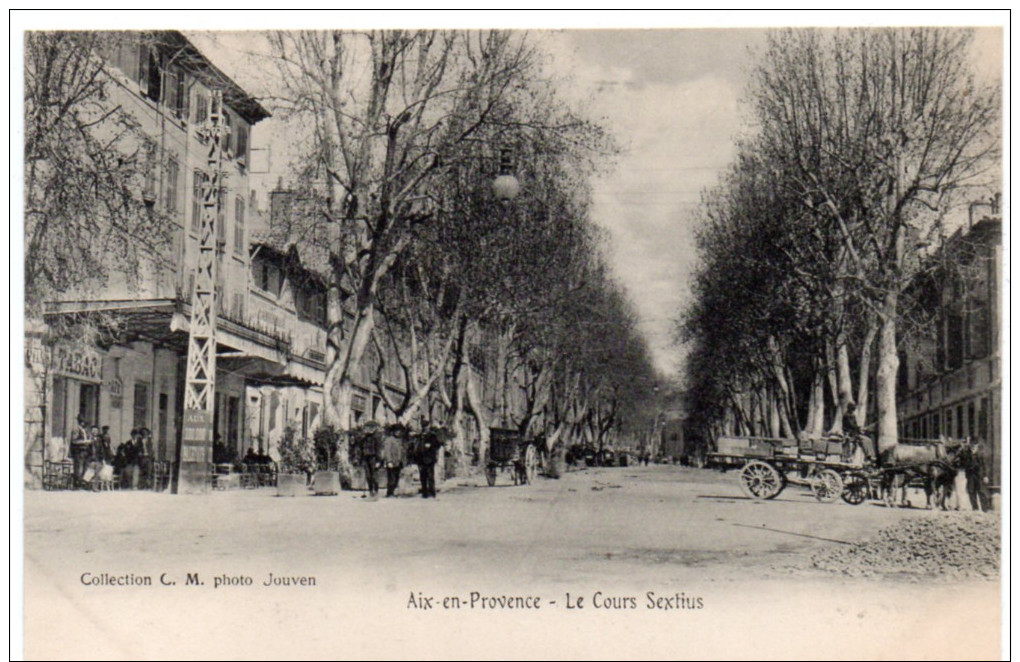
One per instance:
(116, 388)
(78, 363)
(35, 353)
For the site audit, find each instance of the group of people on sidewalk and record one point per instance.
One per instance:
(389, 449)
(93, 458)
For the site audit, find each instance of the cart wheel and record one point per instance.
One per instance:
(761, 480)
(531, 463)
(827, 486)
(490, 474)
(855, 489)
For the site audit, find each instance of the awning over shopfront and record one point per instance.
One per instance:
(166, 323)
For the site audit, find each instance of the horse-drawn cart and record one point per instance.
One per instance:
(508, 449)
(766, 466)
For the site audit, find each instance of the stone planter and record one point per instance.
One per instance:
(326, 483)
(291, 485)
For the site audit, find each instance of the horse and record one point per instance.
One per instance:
(931, 462)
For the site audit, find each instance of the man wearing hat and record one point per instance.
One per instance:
(370, 457)
(393, 457)
(431, 442)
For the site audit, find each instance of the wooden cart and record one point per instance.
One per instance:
(766, 466)
(508, 449)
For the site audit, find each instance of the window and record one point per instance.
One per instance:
(312, 304)
(172, 175)
(141, 415)
(274, 280)
(196, 201)
(241, 140)
(201, 106)
(150, 168)
(239, 245)
(228, 138)
(954, 340)
(177, 93)
(978, 340)
(150, 72)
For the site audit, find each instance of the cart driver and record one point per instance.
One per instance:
(853, 446)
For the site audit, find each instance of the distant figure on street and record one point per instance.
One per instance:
(430, 445)
(81, 450)
(972, 460)
(370, 457)
(103, 447)
(144, 456)
(393, 457)
(127, 459)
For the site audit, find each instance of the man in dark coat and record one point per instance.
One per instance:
(370, 457)
(972, 459)
(127, 462)
(393, 457)
(431, 442)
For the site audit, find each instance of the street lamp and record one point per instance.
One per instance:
(506, 187)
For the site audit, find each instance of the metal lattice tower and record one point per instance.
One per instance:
(200, 388)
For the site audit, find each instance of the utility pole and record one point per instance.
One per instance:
(194, 468)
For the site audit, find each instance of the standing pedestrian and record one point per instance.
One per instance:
(431, 442)
(393, 457)
(370, 457)
(127, 462)
(144, 448)
(103, 446)
(974, 465)
(81, 451)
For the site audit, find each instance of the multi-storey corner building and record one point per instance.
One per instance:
(165, 85)
(951, 379)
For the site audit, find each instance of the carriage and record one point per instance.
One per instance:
(766, 466)
(508, 449)
(830, 466)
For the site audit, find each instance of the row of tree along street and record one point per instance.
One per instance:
(864, 142)
(398, 137)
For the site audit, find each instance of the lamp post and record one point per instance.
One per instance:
(506, 187)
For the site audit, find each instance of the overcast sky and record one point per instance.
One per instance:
(672, 98)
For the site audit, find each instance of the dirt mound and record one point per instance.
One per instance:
(939, 545)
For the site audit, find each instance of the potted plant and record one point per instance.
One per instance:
(326, 445)
(297, 457)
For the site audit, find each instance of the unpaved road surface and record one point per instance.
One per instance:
(616, 562)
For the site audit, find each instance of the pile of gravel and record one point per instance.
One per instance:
(940, 545)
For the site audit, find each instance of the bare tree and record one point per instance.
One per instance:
(878, 131)
(85, 215)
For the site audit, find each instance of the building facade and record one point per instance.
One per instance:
(132, 376)
(951, 378)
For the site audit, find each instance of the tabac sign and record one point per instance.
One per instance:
(78, 362)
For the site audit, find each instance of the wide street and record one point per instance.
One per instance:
(615, 561)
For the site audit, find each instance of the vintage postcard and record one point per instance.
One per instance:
(354, 335)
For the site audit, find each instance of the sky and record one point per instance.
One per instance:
(672, 98)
